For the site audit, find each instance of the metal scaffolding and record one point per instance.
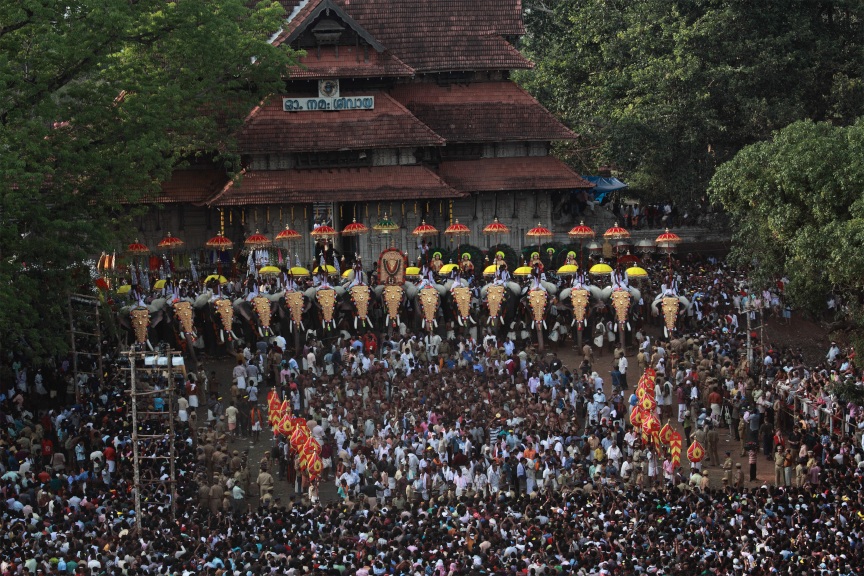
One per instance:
(148, 372)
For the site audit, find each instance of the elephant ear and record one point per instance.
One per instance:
(340, 290)
(636, 294)
(203, 299)
(410, 289)
(378, 290)
(565, 294)
(514, 288)
(310, 293)
(156, 304)
(596, 292)
(606, 292)
(442, 290)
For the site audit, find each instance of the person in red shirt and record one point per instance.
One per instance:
(715, 399)
(110, 458)
(47, 451)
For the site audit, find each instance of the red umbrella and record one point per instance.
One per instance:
(457, 229)
(170, 242)
(628, 259)
(288, 235)
(539, 231)
(496, 227)
(257, 240)
(355, 229)
(668, 238)
(219, 242)
(424, 230)
(137, 248)
(581, 231)
(616, 232)
(323, 232)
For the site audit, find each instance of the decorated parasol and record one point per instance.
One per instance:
(269, 271)
(496, 227)
(219, 242)
(288, 235)
(257, 240)
(568, 269)
(137, 249)
(582, 232)
(218, 278)
(636, 272)
(628, 259)
(616, 233)
(600, 269)
(456, 230)
(355, 229)
(522, 271)
(645, 246)
(385, 225)
(170, 242)
(668, 242)
(539, 231)
(329, 269)
(323, 232)
(424, 230)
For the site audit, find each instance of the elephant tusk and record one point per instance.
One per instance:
(302, 326)
(222, 335)
(355, 323)
(544, 325)
(233, 335)
(628, 327)
(435, 323)
(472, 320)
(261, 331)
(149, 345)
(424, 323)
(574, 322)
(459, 319)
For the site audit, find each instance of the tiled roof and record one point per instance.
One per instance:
(349, 62)
(498, 174)
(433, 35)
(481, 112)
(269, 129)
(193, 185)
(342, 184)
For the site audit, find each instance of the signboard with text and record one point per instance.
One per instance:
(339, 103)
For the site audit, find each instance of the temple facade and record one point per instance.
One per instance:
(403, 108)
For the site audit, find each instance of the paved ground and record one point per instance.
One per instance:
(567, 354)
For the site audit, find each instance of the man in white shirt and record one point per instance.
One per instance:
(622, 367)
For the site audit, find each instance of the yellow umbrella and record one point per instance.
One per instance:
(159, 285)
(600, 269)
(568, 269)
(346, 273)
(221, 279)
(412, 271)
(327, 268)
(124, 289)
(299, 271)
(636, 272)
(269, 270)
(447, 268)
(522, 271)
(490, 270)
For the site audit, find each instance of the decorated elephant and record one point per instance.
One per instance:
(147, 323)
(457, 302)
(672, 306)
(393, 298)
(501, 300)
(578, 299)
(183, 314)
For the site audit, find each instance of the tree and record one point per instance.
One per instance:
(666, 91)
(99, 101)
(798, 209)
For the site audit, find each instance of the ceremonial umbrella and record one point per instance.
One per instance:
(539, 231)
(288, 235)
(355, 229)
(601, 269)
(616, 233)
(424, 230)
(170, 242)
(582, 232)
(667, 242)
(219, 242)
(636, 272)
(269, 271)
(385, 225)
(496, 227)
(323, 232)
(456, 230)
(568, 269)
(137, 248)
(257, 240)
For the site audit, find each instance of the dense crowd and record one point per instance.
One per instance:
(452, 456)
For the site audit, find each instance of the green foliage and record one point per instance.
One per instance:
(98, 102)
(666, 91)
(798, 209)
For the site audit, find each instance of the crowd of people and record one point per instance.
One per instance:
(451, 456)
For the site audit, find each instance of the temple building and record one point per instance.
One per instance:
(404, 108)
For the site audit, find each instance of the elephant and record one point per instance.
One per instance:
(578, 299)
(183, 313)
(393, 298)
(149, 323)
(428, 305)
(458, 302)
(672, 307)
(292, 311)
(622, 300)
(502, 301)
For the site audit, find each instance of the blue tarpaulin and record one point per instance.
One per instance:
(603, 186)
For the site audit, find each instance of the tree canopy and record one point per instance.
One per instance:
(665, 91)
(798, 208)
(98, 102)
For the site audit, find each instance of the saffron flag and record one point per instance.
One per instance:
(696, 452)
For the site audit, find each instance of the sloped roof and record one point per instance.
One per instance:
(499, 174)
(191, 185)
(269, 129)
(349, 62)
(428, 36)
(345, 184)
(482, 112)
